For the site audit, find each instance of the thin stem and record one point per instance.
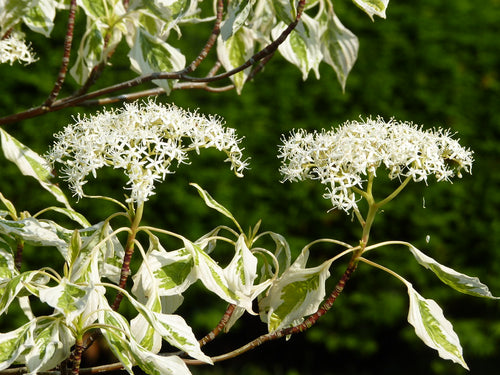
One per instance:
(372, 211)
(129, 250)
(389, 271)
(65, 60)
(395, 192)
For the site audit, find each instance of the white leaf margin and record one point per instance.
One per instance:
(458, 281)
(433, 328)
(31, 164)
(373, 7)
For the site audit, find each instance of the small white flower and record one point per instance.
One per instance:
(143, 140)
(14, 48)
(343, 158)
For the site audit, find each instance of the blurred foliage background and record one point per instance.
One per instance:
(433, 62)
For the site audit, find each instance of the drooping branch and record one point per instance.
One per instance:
(306, 324)
(183, 75)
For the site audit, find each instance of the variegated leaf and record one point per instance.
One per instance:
(52, 344)
(95, 262)
(40, 18)
(433, 328)
(211, 274)
(31, 164)
(237, 14)
(373, 7)
(68, 298)
(90, 53)
(106, 11)
(212, 203)
(117, 334)
(14, 343)
(339, 46)
(31, 280)
(302, 48)
(38, 233)
(11, 12)
(297, 293)
(234, 52)
(154, 364)
(285, 10)
(458, 281)
(7, 268)
(150, 54)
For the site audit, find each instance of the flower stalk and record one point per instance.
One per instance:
(129, 251)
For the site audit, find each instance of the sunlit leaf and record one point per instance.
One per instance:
(171, 327)
(106, 11)
(154, 364)
(90, 52)
(52, 344)
(339, 46)
(150, 54)
(14, 343)
(40, 17)
(117, 334)
(373, 7)
(212, 203)
(38, 233)
(172, 272)
(68, 298)
(7, 268)
(234, 52)
(237, 13)
(302, 48)
(12, 212)
(458, 281)
(12, 288)
(211, 274)
(31, 164)
(241, 274)
(11, 12)
(297, 293)
(98, 259)
(433, 328)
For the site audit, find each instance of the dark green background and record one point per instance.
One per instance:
(435, 63)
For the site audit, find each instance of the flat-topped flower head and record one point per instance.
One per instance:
(143, 140)
(343, 158)
(13, 49)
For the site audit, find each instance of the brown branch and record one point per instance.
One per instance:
(218, 329)
(154, 92)
(125, 271)
(83, 371)
(18, 261)
(7, 34)
(65, 60)
(210, 42)
(77, 357)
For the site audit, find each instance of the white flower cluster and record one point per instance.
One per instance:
(14, 48)
(142, 139)
(343, 158)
